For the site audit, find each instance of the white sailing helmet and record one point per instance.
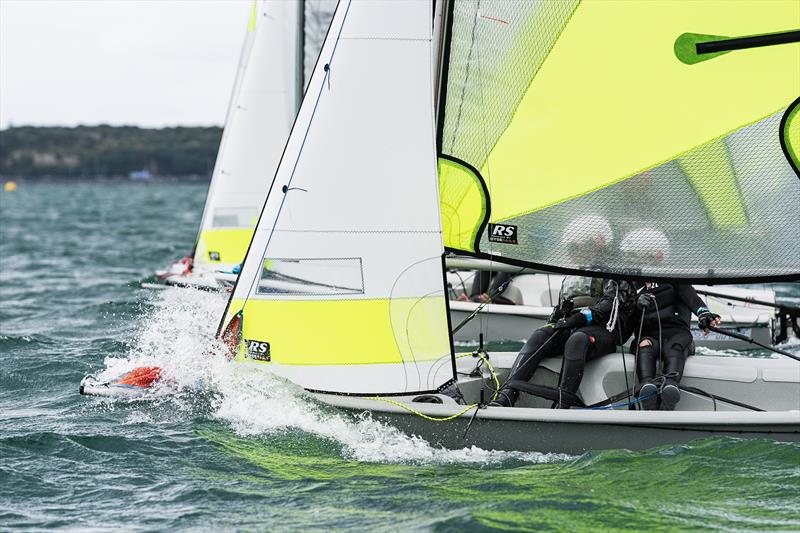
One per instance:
(645, 246)
(587, 237)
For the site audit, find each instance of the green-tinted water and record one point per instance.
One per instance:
(255, 454)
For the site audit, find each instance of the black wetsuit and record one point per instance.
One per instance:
(578, 344)
(666, 325)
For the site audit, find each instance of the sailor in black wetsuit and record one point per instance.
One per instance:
(664, 314)
(592, 318)
(485, 283)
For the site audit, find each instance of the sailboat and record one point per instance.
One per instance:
(281, 43)
(484, 128)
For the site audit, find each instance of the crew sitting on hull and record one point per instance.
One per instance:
(662, 332)
(591, 319)
(492, 287)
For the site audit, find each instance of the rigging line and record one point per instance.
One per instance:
(478, 309)
(466, 75)
(624, 364)
(423, 415)
(638, 343)
(753, 341)
(257, 277)
(658, 317)
(486, 147)
(492, 372)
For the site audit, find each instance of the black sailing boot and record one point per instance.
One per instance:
(673, 370)
(648, 396)
(506, 397)
(571, 375)
(646, 371)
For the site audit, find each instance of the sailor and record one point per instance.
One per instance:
(661, 323)
(590, 320)
(665, 311)
(492, 287)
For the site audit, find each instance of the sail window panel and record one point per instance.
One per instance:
(312, 276)
(235, 217)
(393, 265)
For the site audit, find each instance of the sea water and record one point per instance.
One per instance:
(216, 448)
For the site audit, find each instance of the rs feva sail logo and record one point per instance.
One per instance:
(504, 233)
(258, 350)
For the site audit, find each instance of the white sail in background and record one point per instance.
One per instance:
(317, 17)
(342, 287)
(259, 119)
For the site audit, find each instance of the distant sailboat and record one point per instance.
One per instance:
(266, 94)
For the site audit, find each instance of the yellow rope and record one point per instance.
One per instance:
(423, 415)
(467, 408)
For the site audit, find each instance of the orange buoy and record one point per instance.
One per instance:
(10, 186)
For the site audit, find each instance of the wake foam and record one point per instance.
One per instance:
(179, 336)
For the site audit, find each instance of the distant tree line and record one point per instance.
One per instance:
(107, 151)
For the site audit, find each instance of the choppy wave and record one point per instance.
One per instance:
(178, 336)
(220, 448)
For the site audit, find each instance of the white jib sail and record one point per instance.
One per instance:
(342, 288)
(260, 116)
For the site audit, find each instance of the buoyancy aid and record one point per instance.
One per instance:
(669, 308)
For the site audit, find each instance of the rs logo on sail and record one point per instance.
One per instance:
(257, 350)
(505, 233)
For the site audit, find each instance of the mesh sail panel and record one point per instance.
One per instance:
(316, 20)
(670, 223)
(496, 49)
(600, 150)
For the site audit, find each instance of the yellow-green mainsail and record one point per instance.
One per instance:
(610, 99)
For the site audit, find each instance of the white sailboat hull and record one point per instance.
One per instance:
(573, 432)
(769, 384)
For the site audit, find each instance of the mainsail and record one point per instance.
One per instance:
(602, 113)
(281, 37)
(342, 288)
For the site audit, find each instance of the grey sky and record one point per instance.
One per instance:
(140, 62)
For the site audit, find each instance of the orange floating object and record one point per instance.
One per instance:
(141, 377)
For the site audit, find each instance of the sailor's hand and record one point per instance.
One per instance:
(706, 319)
(645, 300)
(575, 321)
(484, 298)
(462, 297)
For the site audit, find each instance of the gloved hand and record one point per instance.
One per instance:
(645, 300)
(705, 318)
(575, 321)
